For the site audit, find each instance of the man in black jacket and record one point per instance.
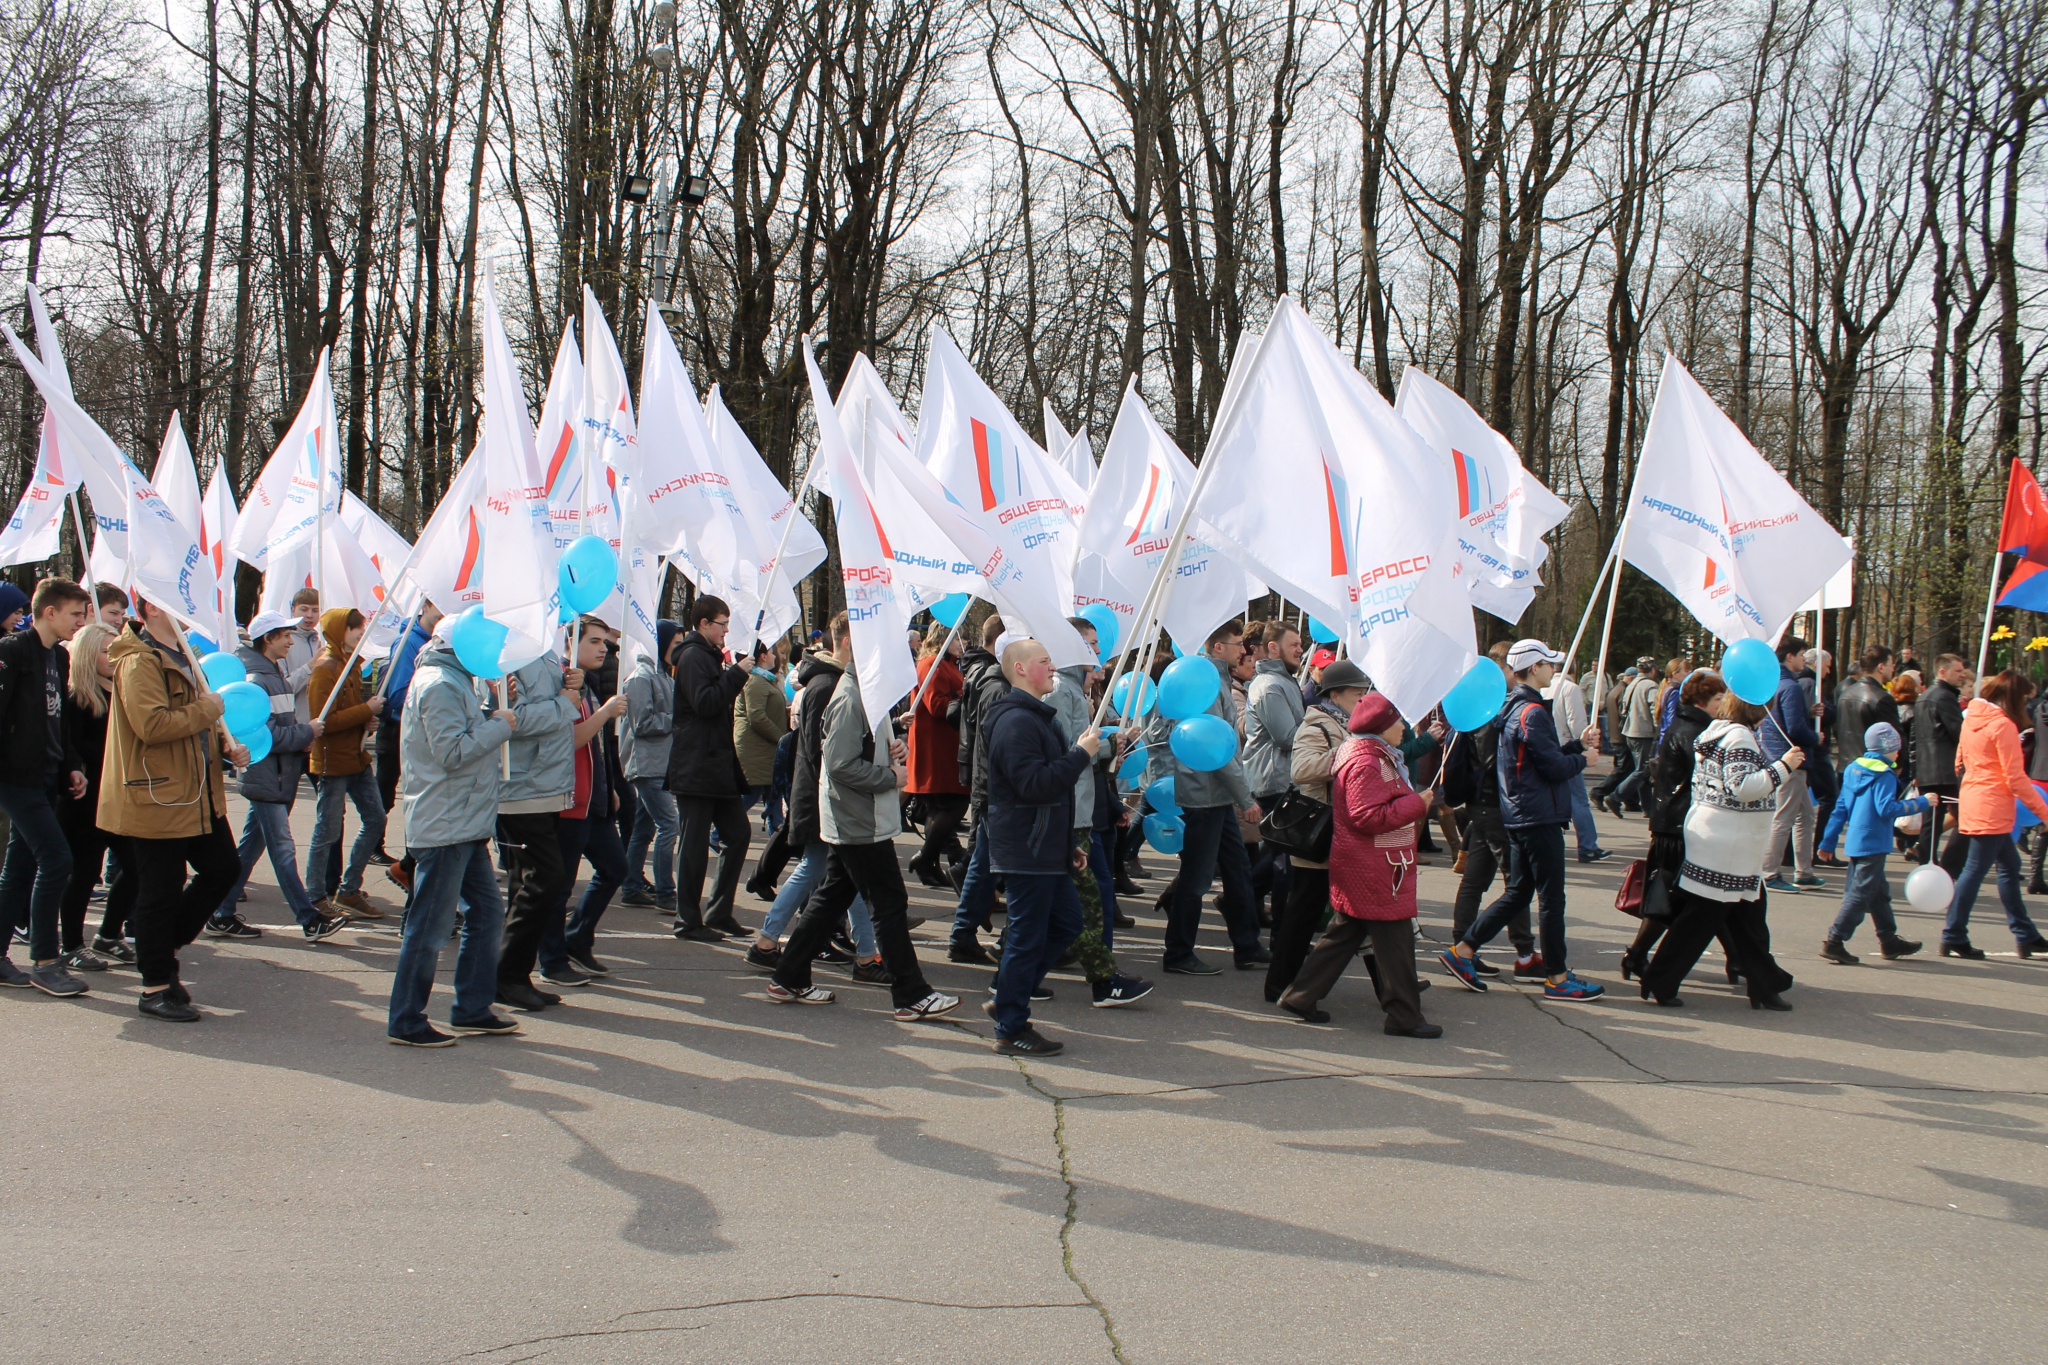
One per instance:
(38, 761)
(704, 776)
(1937, 725)
(1031, 775)
(982, 686)
(1862, 701)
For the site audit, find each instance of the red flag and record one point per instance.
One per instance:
(2024, 531)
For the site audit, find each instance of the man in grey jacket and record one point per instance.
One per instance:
(643, 753)
(304, 648)
(1273, 711)
(860, 812)
(449, 750)
(530, 805)
(271, 785)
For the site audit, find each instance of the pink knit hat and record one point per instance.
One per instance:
(1373, 714)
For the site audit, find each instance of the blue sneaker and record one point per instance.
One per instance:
(1461, 968)
(1781, 886)
(1807, 879)
(1572, 988)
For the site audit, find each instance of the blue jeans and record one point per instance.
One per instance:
(1535, 872)
(595, 838)
(1211, 846)
(655, 824)
(360, 788)
(796, 891)
(1985, 849)
(1045, 919)
(1582, 815)
(269, 828)
(37, 867)
(977, 888)
(442, 877)
(1867, 892)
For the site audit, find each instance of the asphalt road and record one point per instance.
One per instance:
(669, 1168)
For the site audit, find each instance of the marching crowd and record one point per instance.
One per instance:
(114, 761)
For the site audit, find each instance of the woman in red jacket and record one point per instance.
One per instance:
(1372, 875)
(934, 759)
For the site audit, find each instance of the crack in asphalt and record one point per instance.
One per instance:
(1536, 1001)
(1059, 1139)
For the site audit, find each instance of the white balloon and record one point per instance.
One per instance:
(1929, 889)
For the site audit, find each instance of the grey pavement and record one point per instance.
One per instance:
(670, 1168)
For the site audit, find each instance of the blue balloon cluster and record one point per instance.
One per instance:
(1120, 695)
(221, 669)
(1751, 671)
(245, 707)
(1133, 770)
(1477, 697)
(476, 640)
(1160, 794)
(589, 572)
(1188, 687)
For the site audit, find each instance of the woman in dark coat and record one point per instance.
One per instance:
(1670, 798)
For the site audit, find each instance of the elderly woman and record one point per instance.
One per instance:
(1720, 883)
(1312, 764)
(1671, 801)
(1372, 875)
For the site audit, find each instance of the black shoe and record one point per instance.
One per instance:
(1834, 952)
(520, 995)
(837, 957)
(1120, 990)
(970, 951)
(844, 943)
(588, 965)
(426, 1035)
(1962, 950)
(324, 927)
(1029, 1043)
(730, 927)
(2038, 887)
(2034, 947)
(767, 959)
(1598, 855)
(1892, 949)
(1419, 1031)
(564, 975)
(232, 927)
(1633, 964)
(1126, 887)
(489, 1024)
(640, 897)
(1191, 966)
(1257, 957)
(957, 876)
(1124, 921)
(1770, 1002)
(379, 858)
(1311, 1015)
(871, 974)
(699, 934)
(166, 1005)
(1039, 994)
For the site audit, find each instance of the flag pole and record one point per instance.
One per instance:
(404, 573)
(1592, 600)
(1613, 595)
(84, 552)
(1990, 605)
(796, 509)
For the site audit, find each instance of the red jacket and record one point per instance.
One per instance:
(1372, 847)
(934, 743)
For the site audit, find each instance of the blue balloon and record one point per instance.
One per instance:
(789, 688)
(1321, 633)
(1133, 771)
(246, 706)
(1203, 743)
(476, 640)
(590, 570)
(258, 742)
(568, 613)
(2022, 818)
(1751, 671)
(1477, 697)
(1120, 695)
(1163, 834)
(946, 611)
(1188, 687)
(201, 645)
(221, 669)
(1160, 794)
(1104, 621)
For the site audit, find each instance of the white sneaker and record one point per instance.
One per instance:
(809, 995)
(931, 1007)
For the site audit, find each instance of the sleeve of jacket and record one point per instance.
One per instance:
(542, 715)
(1314, 757)
(326, 677)
(456, 732)
(1037, 779)
(2013, 760)
(710, 688)
(1789, 709)
(846, 733)
(1374, 803)
(647, 720)
(1838, 820)
(1553, 762)
(287, 736)
(139, 687)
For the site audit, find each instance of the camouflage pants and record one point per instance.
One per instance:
(1097, 962)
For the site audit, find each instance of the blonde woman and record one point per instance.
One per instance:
(85, 717)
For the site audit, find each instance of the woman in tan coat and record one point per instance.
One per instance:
(1316, 743)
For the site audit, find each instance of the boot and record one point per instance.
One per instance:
(1893, 948)
(1834, 952)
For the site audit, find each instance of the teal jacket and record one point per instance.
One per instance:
(449, 752)
(1868, 804)
(543, 749)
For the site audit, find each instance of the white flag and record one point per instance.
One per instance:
(518, 538)
(33, 532)
(1711, 520)
(875, 611)
(387, 553)
(216, 529)
(177, 481)
(344, 576)
(1503, 512)
(447, 562)
(300, 486)
(558, 439)
(1070, 449)
(608, 455)
(767, 506)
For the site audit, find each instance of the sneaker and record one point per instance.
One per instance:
(969, 951)
(490, 1023)
(564, 975)
(400, 878)
(1120, 990)
(358, 906)
(1191, 965)
(1461, 968)
(1892, 949)
(1807, 879)
(667, 903)
(1039, 993)
(639, 896)
(171, 1005)
(588, 965)
(1530, 969)
(51, 979)
(1572, 988)
(1834, 952)
(767, 959)
(699, 935)
(234, 926)
(1781, 886)
(1598, 855)
(931, 1007)
(1481, 967)
(325, 927)
(426, 1035)
(115, 950)
(809, 995)
(871, 974)
(85, 960)
(836, 956)
(1029, 1043)
(379, 858)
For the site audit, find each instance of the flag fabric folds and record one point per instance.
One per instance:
(519, 569)
(299, 487)
(2023, 530)
(34, 531)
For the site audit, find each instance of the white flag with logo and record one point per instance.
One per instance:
(518, 537)
(767, 506)
(34, 531)
(1070, 449)
(609, 457)
(176, 481)
(1503, 512)
(300, 485)
(447, 561)
(558, 439)
(1712, 521)
(216, 529)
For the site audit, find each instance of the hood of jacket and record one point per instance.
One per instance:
(334, 629)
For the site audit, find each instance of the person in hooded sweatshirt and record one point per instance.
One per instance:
(341, 766)
(1867, 807)
(450, 747)
(271, 784)
(644, 742)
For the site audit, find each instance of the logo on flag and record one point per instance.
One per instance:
(1151, 510)
(997, 475)
(1475, 488)
(464, 574)
(1340, 547)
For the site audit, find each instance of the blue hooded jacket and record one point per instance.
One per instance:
(1534, 767)
(1868, 804)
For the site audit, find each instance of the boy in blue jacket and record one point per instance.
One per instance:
(1868, 804)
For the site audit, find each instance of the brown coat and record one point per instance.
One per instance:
(759, 721)
(162, 776)
(339, 751)
(1314, 760)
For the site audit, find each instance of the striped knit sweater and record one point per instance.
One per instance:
(1728, 828)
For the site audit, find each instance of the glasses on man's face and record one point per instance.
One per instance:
(722, 622)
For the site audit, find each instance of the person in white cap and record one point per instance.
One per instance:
(270, 785)
(1535, 805)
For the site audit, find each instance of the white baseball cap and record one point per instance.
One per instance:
(263, 622)
(1528, 653)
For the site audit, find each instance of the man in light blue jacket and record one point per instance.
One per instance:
(449, 747)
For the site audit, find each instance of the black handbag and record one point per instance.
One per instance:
(1299, 825)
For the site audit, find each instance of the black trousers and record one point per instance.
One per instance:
(1308, 893)
(871, 872)
(775, 856)
(1486, 855)
(696, 816)
(169, 909)
(1393, 956)
(1744, 929)
(387, 768)
(943, 816)
(536, 892)
(89, 845)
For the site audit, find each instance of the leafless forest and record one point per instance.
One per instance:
(1830, 209)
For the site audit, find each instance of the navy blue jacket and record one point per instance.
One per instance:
(1031, 774)
(1789, 712)
(1534, 767)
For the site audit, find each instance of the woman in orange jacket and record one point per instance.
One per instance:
(1993, 776)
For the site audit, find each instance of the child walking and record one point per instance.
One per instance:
(1868, 805)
